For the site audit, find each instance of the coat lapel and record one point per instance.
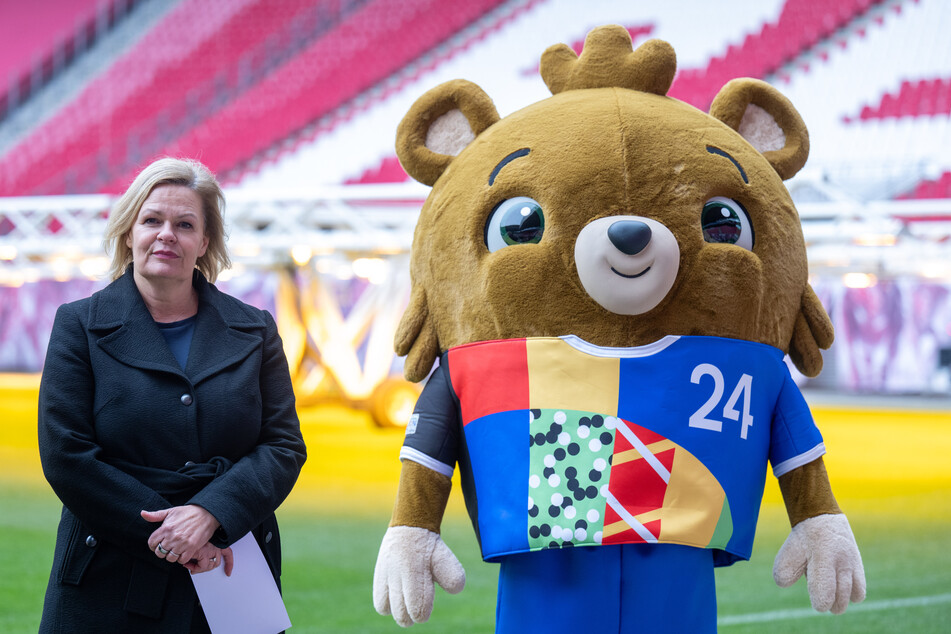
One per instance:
(129, 333)
(226, 331)
(224, 334)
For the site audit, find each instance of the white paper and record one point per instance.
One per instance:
(247, 602)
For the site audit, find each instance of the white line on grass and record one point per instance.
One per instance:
(782, 615)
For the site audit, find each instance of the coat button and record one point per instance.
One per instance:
(267, 538)
(91, 541)
(186, 399)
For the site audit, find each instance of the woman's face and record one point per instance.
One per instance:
(168, 236)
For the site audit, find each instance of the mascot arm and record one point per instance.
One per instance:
(821, 544)
(807, 493)
(413, 556)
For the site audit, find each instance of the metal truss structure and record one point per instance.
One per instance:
(317, 239)
(60, 237)
(887, 239)
(316, 242)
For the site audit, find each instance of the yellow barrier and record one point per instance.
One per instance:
(874, 455)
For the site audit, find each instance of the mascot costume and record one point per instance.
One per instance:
(609, 279)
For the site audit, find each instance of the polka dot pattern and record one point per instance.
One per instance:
(570, 458)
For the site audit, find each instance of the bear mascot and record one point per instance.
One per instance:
(609, 280)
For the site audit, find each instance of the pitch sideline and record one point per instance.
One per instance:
(867, 606)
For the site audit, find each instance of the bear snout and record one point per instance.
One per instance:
(627, 264)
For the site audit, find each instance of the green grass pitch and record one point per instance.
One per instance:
(328, 569)
(891, 472)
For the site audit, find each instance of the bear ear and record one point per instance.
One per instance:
(767, 119)
(812, 331)
(440, 125)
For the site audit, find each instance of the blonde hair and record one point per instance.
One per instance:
(170, 171)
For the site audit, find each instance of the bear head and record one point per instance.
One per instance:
(609, 211)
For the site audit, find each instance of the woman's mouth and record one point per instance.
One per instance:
(165, 255)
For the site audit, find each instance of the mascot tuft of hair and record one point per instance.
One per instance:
(610, 279)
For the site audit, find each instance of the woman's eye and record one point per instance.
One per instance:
(725, 221)
(518, 220)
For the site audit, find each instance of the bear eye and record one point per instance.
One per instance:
(518, 220)
(725, 221)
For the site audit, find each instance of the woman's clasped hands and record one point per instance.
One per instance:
(183, 537)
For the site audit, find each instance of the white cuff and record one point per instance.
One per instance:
(795, 462)
(415, 455)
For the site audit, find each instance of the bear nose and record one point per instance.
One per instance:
(629, 236)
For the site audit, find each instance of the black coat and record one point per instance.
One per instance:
(123, 428)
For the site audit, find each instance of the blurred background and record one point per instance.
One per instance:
(294, 105)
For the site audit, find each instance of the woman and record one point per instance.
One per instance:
(166, 418)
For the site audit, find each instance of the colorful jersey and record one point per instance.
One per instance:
(561, 442)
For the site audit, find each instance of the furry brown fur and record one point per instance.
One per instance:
(615, 151)
(608, 142)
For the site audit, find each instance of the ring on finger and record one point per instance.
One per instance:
(214, 560)
(162, 550)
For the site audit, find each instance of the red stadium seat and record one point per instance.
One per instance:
(800, 26)
(145, 95)
(197, 97)
(39, 37)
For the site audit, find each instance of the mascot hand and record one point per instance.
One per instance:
(824, 549)
(410, 560)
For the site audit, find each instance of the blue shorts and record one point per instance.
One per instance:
(607, 589)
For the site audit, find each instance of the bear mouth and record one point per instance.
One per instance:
(629, 277)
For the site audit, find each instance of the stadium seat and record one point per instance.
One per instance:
(37, 39)
(196, 97)
(176, 63)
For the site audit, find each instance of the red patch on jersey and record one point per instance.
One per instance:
(489, 377)
(666, 458)
(636, 484)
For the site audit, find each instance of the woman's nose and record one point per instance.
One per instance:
(165, 233)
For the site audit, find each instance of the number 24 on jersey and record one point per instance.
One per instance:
(740, 396)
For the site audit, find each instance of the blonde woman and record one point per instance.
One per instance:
(167, 424)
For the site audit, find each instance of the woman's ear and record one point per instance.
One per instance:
(440, 125)
(767, 119)
(812, 331)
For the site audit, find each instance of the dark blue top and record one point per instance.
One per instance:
(178, 334)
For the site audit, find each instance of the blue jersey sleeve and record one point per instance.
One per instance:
(432, 436)
(795, 439)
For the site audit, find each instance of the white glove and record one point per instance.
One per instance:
(823, 548)
(410, 560)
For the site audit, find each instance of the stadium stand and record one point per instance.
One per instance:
(896, 144)
(915, 98)
(210, 72)
(335, 69)
(256, 88)
(931, 188)
(289, 99)
(95, 124)
(41, 38)
(796, 31)
(799, 27)
(921, 98)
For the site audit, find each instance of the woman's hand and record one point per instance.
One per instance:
(208, 558)
(184, 530)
